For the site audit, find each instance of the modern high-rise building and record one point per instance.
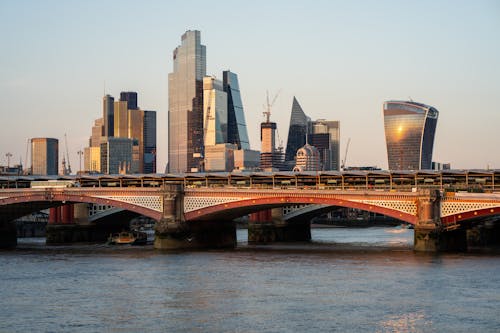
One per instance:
(325, 135)
(121, 121)
(297, 132)
(215, 115)
(149, 142)
(44, 156)
(185, 105)
(236, 125)
(131, 98)
(409, 132)
(108, 115)
(117, 156)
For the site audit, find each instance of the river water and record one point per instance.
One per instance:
(345, 280)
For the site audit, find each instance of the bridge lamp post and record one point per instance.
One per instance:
(80, 153)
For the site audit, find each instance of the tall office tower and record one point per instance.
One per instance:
(307, 159)
(297, 132)
(325, 135)
(271, 158)
(149, 142)
(409, 132)
(215, 115)
(108, 115)
(97, 132)
(44, 156)
(121, 119)
(236, 125)
(185, 105)
(131, 98)
(117, 155)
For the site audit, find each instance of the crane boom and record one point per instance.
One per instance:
(67, 171)
(342, 166)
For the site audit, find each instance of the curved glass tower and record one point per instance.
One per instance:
(409, 133)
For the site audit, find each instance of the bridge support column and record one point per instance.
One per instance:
(172, 232)
(8, 235)
(269, 226)
(429, 234)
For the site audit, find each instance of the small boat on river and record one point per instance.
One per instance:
(128, 237)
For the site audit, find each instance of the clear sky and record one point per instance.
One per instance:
(341, 59)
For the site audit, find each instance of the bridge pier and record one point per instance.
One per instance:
(429, 234)
(8, 235)
(269, 226)
(173, 233)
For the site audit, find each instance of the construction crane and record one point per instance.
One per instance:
(342, 165)
(268, 106)
(27, 168)
(66, 171)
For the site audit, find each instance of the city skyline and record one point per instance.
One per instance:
(342, 62)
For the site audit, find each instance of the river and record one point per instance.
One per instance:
(345, 280)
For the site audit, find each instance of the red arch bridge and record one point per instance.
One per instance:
(197, 211)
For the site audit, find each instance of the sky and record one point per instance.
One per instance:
(340, 59)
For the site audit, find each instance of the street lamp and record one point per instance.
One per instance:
(80, 153)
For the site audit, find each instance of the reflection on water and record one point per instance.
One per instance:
(352, 280)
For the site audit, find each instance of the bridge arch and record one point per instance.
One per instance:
(26, 203)
(239, 208)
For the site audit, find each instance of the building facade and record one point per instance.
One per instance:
(409, 132)
(325, 135)
(236, 125)
(185, 105)
(297, 132)
(307, 159)
(44, 156)
(117, 156)
(108, 115)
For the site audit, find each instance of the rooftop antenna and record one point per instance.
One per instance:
(409, 98)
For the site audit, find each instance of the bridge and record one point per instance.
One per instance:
(197, 210)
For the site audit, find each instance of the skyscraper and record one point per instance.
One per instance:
(236, 125)
(325, 135)
(185, 105)
(44, 156)
(409, 132)
(108, 115)
(215, 129)
(149, 142)
(131, 98)
(296, 133)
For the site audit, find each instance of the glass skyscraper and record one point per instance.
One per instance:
(44, 156)
(185, 105)
(237, 128)
(297, 132)
(409, 132)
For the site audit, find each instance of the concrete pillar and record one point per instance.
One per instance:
(8, 234)
(429, 234)
(81, 213)
(269, 226)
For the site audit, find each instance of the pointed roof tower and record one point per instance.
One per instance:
(297, 133)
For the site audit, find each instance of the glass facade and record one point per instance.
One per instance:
(409, 132)
(149, 142)
(237, 128)
(44, 156)
(185, 105)
(214, 112)
(297, 132)
(108, 114)
(131, 98)
(322, 131)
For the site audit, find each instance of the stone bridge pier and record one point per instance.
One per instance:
(173, 232)
(269, 226)
(430, 235)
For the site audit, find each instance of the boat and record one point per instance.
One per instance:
(128, 237)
